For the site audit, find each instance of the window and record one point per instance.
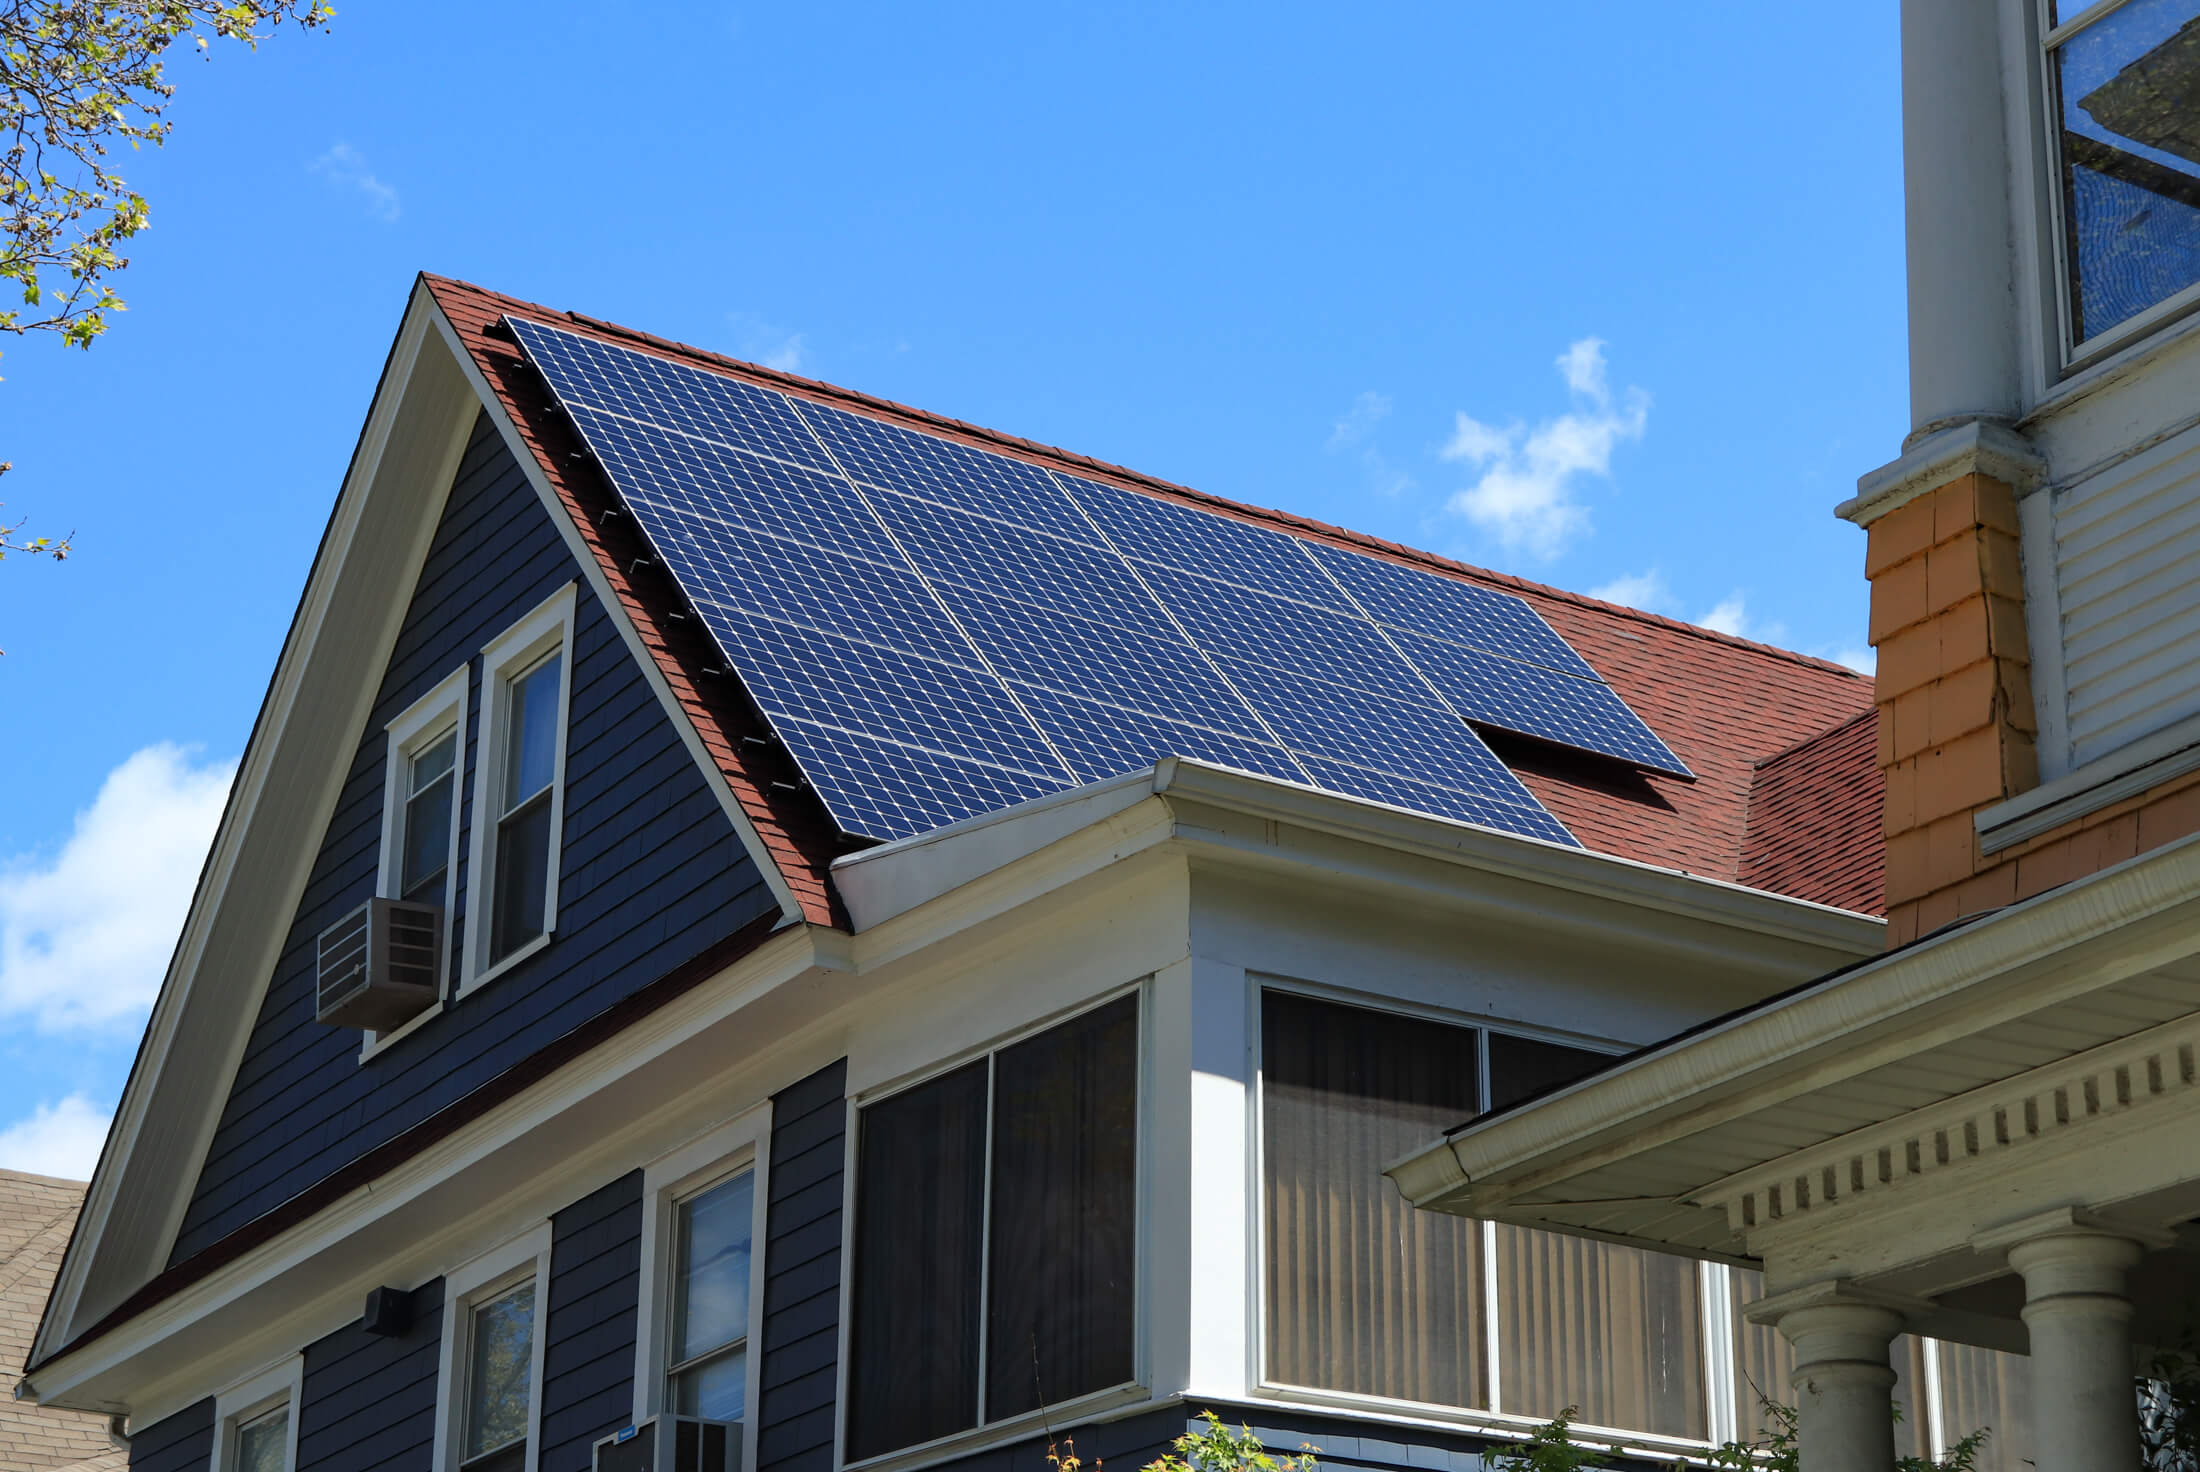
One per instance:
(1367, 1297)
(995, 1241)
(709, 1352)
(2124, 84)
(429, 820)
(491, 1368)
(519, 788)
(255, 1421)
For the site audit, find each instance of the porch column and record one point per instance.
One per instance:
(1844, 1379)
(2085, 1417)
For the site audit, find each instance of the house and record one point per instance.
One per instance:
(36, 1213)
(911, 943)
(1990, 1134)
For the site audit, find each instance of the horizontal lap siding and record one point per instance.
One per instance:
(588, 1344)
(650, 873)
(800, 1364)
(368, 1401)
(183, 1442)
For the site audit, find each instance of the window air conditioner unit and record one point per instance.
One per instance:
(670, 1443)
(379, 966)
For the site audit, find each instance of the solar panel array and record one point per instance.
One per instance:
(937, 631)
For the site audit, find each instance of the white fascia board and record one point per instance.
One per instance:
(649, 1088)
(2134, 917)
(751, 841)
(294, 764)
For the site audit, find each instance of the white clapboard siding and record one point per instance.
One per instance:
(2127, 553)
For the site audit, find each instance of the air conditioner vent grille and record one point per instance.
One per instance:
(379, 966)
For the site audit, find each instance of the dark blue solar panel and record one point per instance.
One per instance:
(1107, 741)
(1425, 603)
(654, 469)
(992, 557)
(1538, 702)
(1153, 530)
(671, 395)
(950, 634)
(1235, 622)
(897, 459)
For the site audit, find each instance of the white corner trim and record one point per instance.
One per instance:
(2103, 782)
(255, 1395)
(547, 627)
(502, 1267)
(744, 828)
(741, 1144)
(1980, 446)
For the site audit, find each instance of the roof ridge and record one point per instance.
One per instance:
(1141, 479)
(1869, 712)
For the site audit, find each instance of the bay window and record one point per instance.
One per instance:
(995, 1236)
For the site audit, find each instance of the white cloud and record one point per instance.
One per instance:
(760, 342)
(1731, 615)
(1861, 658)
(1525, 496)
(344, 167)
(85, 934)
(57, 1140)
(1646, 590)
(1367, 411)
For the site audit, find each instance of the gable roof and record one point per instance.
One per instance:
(1722, 704)
(36, 1216)
(1814, 819)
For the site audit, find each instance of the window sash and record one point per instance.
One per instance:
(685, 1356)
(428, 829)
(263, 1442)
(493, 1427)
(531, 720)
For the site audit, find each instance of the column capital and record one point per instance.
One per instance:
(2070, 1223)
(1835, 1293)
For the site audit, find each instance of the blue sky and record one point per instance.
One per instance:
(1604, 294)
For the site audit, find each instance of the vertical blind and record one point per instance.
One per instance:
(996, 1236)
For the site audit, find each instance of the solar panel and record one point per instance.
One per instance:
(938, 631)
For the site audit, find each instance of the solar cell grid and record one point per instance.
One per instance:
(895, 459)
(1230, 621)
(1103, 741)
(1538, 702)
(1445, 802)
(888, 789)
(1153, 530)
(1429, 603)
(657, 391)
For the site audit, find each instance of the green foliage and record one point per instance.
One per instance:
(2169, 1410)
(1550, 1448)
(1216, 1448)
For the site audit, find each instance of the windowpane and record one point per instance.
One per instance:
(1989, 1389)
(2130, 101)
(531, 748)
(263, 1443)
(522, 878)
(1523, 1067)
(427, 838)
(716, 1388)
(1065, 1208)
(919, 1234)
(1365, 1294)
(1615, 1331)
(433, 761)
(711, 1305)
(500, 1370)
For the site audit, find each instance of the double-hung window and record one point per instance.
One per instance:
(707, 1357)
(995, 1237)
(500, 1380)
(519, 797)
(427, 747)
(2123, 79)
(255, 1422)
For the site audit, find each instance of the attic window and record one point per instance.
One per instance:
(2125, 84)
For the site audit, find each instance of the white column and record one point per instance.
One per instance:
(1955, 167)
(2085, 1417)
(1844, 1380)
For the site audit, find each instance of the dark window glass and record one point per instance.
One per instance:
(1523, 1067)
(919, 1237)
(523, 856)
(427, 847)
(1065, 1209)
(1365, 1294)
(2129, 88)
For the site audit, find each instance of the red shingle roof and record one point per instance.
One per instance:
(1814, 819)
(1722, 704)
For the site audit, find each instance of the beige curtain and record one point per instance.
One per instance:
(1984, 1387)
(1365, 1294)
(1613, 1331)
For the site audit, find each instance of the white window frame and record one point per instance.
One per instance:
(2041, 41)
(276, 1387)
(525, 1258)
(1136, 1390)
(443, 707)
(548, 626)
(741, 1144)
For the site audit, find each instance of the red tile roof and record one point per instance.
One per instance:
(1722, 704)
(1814, 819)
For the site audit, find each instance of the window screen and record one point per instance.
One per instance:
(1010, 1183)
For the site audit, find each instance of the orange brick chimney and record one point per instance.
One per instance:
(1954, 694)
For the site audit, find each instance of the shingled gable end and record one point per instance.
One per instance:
(732, 987)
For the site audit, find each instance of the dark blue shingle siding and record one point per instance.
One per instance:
(368, 1401)
(589, 1329)
(800, 1366)
(183, 1442)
